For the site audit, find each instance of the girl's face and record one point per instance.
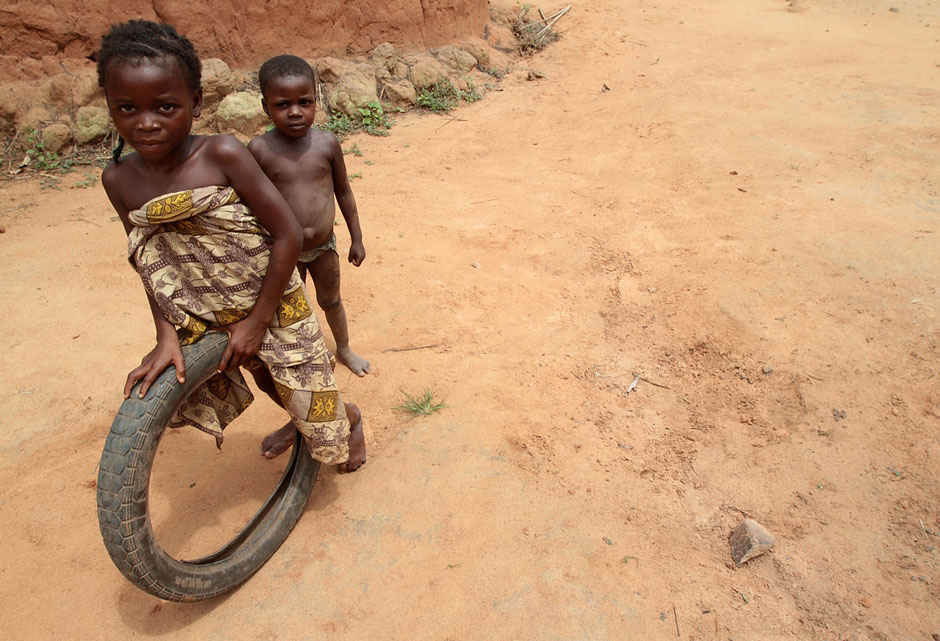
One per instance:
(151, 105)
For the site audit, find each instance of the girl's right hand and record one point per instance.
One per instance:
(167, 352)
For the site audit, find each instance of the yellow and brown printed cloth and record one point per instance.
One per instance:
(202, 256)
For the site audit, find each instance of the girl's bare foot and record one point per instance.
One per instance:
(278, 442)
(357, 441)
(350, 359)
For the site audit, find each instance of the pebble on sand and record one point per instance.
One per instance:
(748, 540)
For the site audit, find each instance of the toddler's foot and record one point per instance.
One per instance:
(278, 442)
(357, 441)
(350, 359)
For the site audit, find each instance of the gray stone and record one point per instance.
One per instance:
(456, 61)
(34, 118)
(479, 52)
(426, 71)
(241, 111)
(329, 70)
(748, 540)
(384, 57)
(58, 92)
(7, 111)
(400, 70)
(55, 137)
(400, 93)
(353, 90)
(218, 81)
(91, 124)
(85, 88)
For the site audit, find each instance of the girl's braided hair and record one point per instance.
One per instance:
(139, 40)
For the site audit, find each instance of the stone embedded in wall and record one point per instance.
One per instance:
(91, 124)
(352, 91)
(67, 91)
(426, 71)
(55, 137)
(242, 112)
(58, 92)
(349, 85)
(457, 61)
(400, 93)
(7, 110)
(34, 118)
(479, 51)
(384, 57)
(329, 70)
(218, 81)
(85, 88)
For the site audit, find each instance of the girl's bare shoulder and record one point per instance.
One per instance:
(118, 175)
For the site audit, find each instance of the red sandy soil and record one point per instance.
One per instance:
(696, 192)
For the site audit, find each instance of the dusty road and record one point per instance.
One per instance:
(738, 200)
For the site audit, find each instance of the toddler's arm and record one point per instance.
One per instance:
(347, 204)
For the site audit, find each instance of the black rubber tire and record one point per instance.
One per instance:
(123, 490)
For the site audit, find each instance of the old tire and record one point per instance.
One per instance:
(123, 490)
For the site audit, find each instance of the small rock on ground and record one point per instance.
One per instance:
(748, 540)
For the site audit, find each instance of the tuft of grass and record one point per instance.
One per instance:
(371, 119)
(443, 96)
(90, 181)
(421, 405)
(354, 150)
(440, 97)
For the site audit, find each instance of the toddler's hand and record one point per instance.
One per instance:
(357, 254)
(244, 341)
(166, 353)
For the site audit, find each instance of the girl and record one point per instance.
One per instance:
(216, 247)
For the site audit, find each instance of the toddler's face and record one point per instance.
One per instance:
(291, 102)
(151, 105)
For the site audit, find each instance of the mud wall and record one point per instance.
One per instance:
(35, 36)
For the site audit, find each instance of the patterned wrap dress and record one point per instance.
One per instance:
(202, 256)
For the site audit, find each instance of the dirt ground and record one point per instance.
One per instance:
(738, 201)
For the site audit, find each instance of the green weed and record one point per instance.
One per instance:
(354, 150)
(440, 97)
(443, 96)
(40, 159)
(90, 181)
(50, 182)
(371, 119)
(422, 405)
(358, 174)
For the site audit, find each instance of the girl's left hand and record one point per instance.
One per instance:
(244, 341)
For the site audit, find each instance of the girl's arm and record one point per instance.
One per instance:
(347, 204)
(167, 351)
(274, 214)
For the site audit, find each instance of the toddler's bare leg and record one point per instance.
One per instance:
(325, 273)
